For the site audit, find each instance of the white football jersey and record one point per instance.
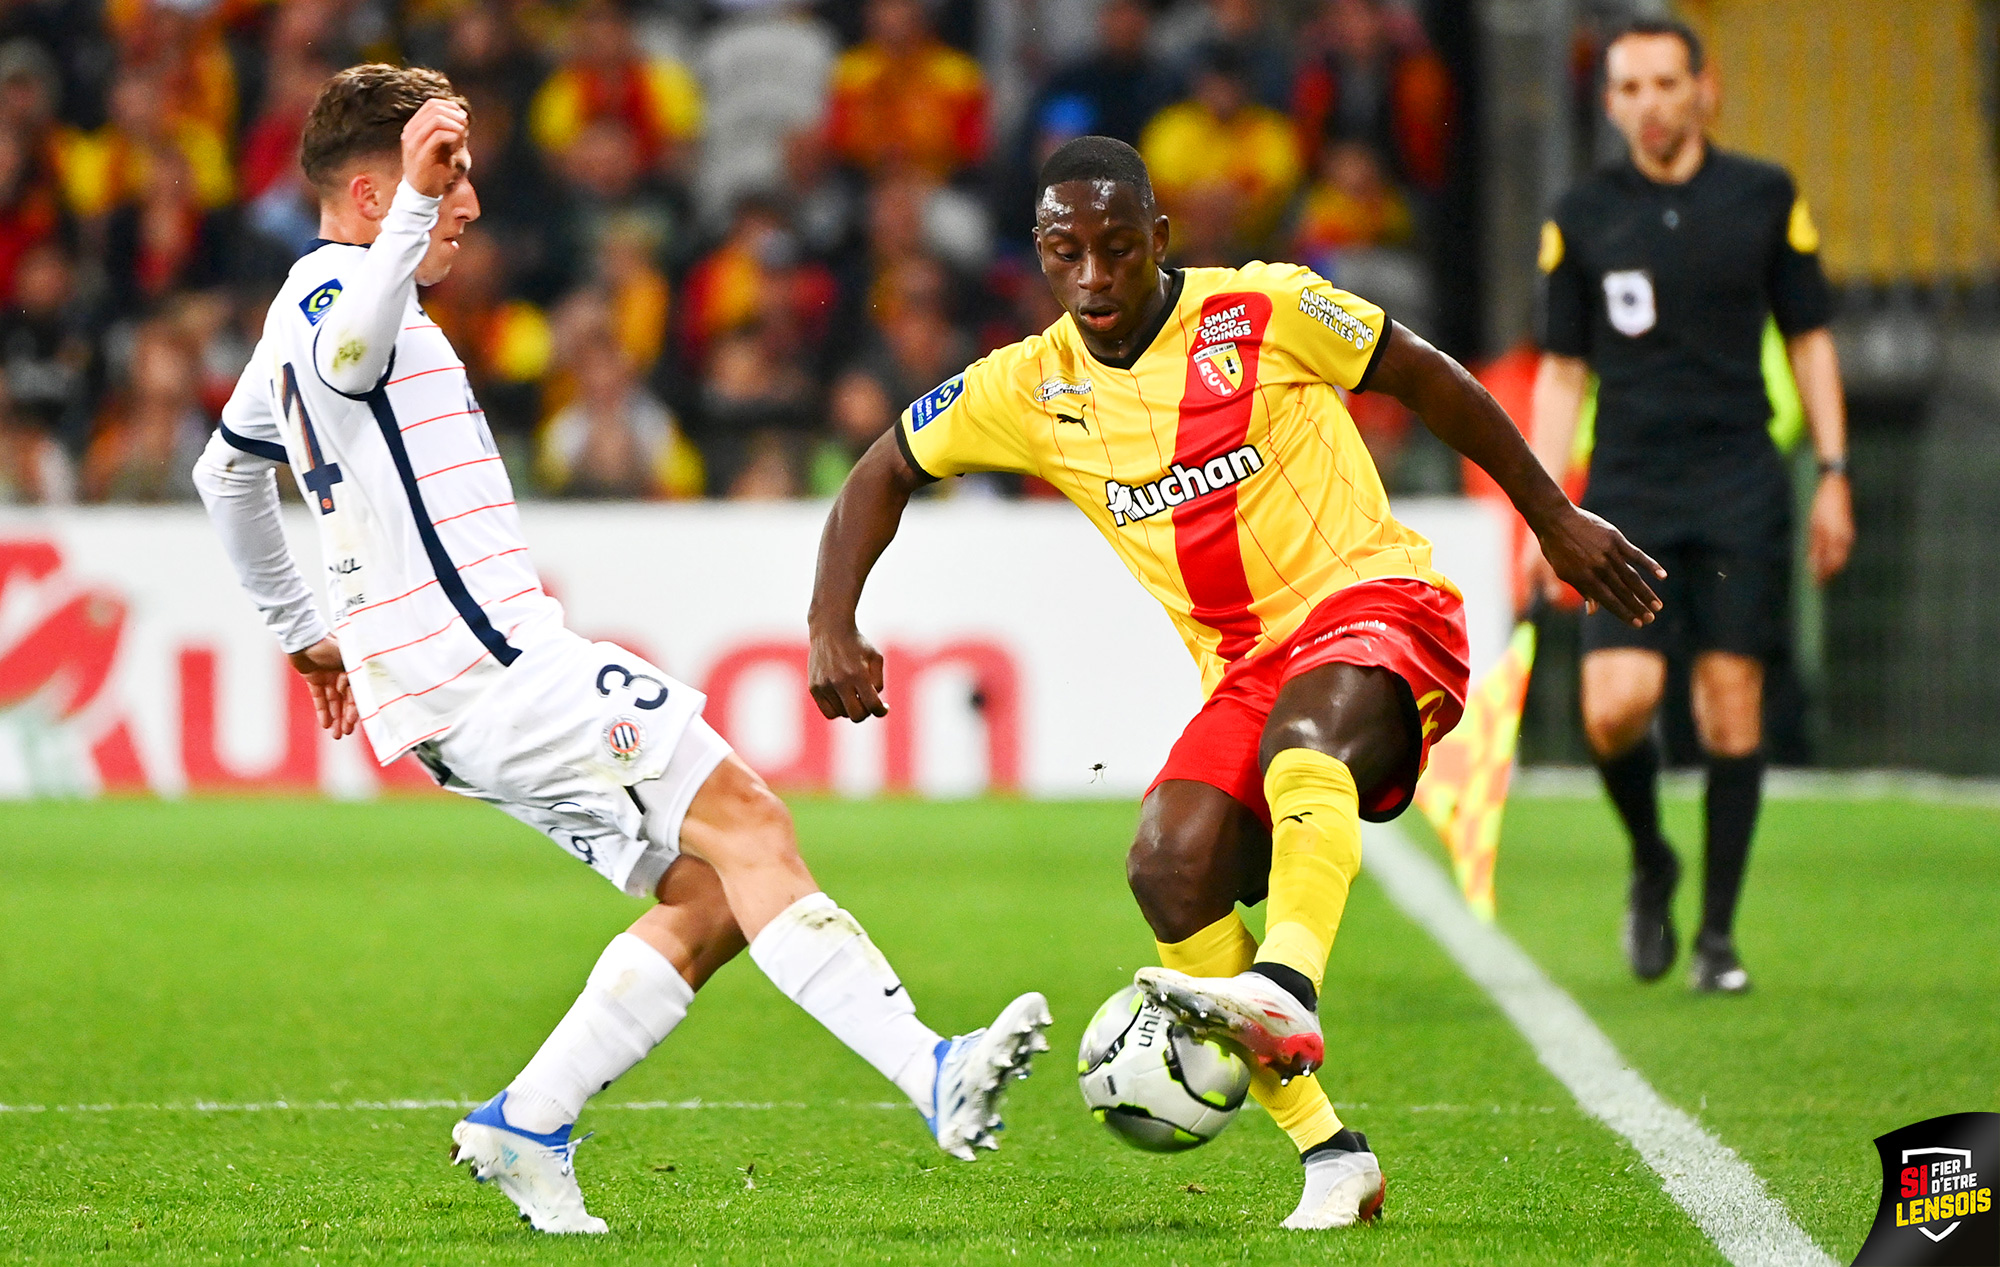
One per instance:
(432, 589)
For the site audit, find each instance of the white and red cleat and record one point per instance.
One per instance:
(1344, 1186)
(1248, 1009)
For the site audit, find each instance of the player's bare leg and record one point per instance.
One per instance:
(638, 992)
(1622, 687)
(818, 956)
(1728, 699)
(1197, 854)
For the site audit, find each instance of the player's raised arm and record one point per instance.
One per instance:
(1583, 549)
(843, 671)
(354, 342)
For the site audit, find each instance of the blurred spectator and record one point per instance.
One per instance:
(1118, 87)
(914, 348)
(271, 146)
(162, 239)
(754, 275)
(45, 349)
(614, 439)
(112, 166)
(636, 291)
(506, 343)
(1351, 205)
(758, 406)
(154, 428)
(606, 188)
(605, 77)
(492, 66)
(1371, 76)
(825, 205)
(29, 214)
(770, 471)
(1247, 28)
(1220, 142)
(1111, 92)
(761, 44)
(180, 48)
(859, 411)
(903, 98)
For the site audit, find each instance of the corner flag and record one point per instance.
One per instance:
(1464, 790)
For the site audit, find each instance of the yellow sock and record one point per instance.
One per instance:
(1315, 853)
(1299, 1107)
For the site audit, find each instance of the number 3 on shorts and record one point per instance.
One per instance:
(625, 679)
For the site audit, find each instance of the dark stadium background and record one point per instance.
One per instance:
(725, 240)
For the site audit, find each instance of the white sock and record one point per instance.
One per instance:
(632, 1001)
(818, 955)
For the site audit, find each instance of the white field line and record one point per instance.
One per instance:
(396, 1106)
(1706, 1177)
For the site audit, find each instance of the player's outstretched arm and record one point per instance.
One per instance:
(843, 671)
(354, 341)
(1583, 549)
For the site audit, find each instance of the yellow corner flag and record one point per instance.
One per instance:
(1464, 790)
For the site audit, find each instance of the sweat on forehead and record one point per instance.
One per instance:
(1065, 199)
(1096, 160)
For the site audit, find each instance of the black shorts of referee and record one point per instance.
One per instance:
(1727, 549)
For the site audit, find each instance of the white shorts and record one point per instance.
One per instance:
(590, 745)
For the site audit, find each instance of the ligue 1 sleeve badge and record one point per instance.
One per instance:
(1937, 1195)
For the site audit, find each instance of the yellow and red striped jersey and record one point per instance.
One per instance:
(1220, 464)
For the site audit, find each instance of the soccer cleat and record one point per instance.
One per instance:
(1343, 1187)
(1716, 968)
(537, 1172)
(973, 1071)
(1248, 1009)
(1650, 940)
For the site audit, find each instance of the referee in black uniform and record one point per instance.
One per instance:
(1660, 273)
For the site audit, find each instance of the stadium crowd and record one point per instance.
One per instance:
(723, 242)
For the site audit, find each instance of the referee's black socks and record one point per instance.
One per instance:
(1633, 781)
(1735, 792)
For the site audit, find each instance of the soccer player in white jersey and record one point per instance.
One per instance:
(443, 643)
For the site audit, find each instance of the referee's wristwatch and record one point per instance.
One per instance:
(1833, 466)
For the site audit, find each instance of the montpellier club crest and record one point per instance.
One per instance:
(1221, 368)
(624, 738)
(1937, 1195)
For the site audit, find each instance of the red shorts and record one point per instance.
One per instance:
(1413, 629)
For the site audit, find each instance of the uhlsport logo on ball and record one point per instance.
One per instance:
(1152, 1081)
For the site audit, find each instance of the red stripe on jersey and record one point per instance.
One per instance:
(455, 466)
(1214, 422)
(475, 510)
(420, 373)
(463, 567)
(456, 413)
(427, 690)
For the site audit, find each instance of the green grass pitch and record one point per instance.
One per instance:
(154, 957)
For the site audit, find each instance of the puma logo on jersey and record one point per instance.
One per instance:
(1129, 503)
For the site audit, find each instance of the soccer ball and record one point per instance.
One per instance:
(1152, 1082)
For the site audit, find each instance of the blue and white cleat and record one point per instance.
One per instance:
(537, 1172)
(973, 1071)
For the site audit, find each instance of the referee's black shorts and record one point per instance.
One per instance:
(1723, 592)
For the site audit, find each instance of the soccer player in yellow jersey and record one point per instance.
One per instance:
(1192, 415)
